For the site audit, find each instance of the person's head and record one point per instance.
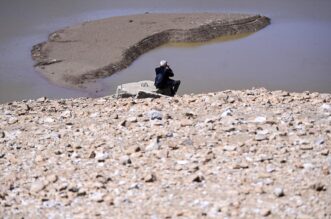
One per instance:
(163, 63)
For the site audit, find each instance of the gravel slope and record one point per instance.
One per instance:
(236, 154)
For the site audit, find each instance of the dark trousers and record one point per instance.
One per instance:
(173, 85)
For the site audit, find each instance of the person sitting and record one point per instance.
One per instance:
(162, 78)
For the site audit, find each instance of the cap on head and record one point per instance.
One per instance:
(163, 62)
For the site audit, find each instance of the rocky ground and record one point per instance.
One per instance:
(231, 154)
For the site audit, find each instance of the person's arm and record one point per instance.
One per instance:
(169, 72)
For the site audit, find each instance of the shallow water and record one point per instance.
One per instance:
(293, 53)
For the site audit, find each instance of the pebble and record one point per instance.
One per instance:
(52, 178)
(279, 192)
(132, 150)
(326, 170)
(66, 114)
(265, 212)
(132, 119)
(49, 120)
(155, 114)
(153, 145)
(198, 178)
(190, 114)
(92, 154)
(325, 152)
(261, 137)
(37, 186)
(186, 122)
(97, 196)
(41, 99)
(125, 160)
(149, 178)
(318, 187)
(270, 168)
(308, 166)
(229, 148)
(319, 141)
(101, 156)
(306, 147)
(242, 165)
(94, 115)
(12, 120)
(182, 162)
(326, 107)
(260, 119)
(227, 112)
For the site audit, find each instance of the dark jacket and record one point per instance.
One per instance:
(163, 74)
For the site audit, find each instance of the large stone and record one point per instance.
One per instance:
(139, 90)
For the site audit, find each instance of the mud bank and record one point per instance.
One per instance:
(97, 49)
(238, 154)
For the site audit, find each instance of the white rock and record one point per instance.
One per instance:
(263, 132)
(132, 119)
(229, 148)
(41, 99)
(75, 155)
(260, 119)
(268, 181)
(124, 160)
(97, 196)
(279, 192)
(182, 162)
(319, 141)
(261, 137)
(154, 145)
(96, 114)
(101, 156)
(12, 135)
(66, 114)
(227, 112)
(308, 166)
(155, 114)
(49, 120)
(326, 107)
(37, 186)
(270, 168)
(12, 120)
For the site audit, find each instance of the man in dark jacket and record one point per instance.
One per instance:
(162, 79)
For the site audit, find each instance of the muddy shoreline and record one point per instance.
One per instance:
(97, 49)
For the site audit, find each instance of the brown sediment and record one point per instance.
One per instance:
(97, 49)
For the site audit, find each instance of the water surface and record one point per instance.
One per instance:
(293, 53)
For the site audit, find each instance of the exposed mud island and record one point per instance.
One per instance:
(230, 154)
(97, 49)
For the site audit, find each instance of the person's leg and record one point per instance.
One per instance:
(170, 85)
(175, 86)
